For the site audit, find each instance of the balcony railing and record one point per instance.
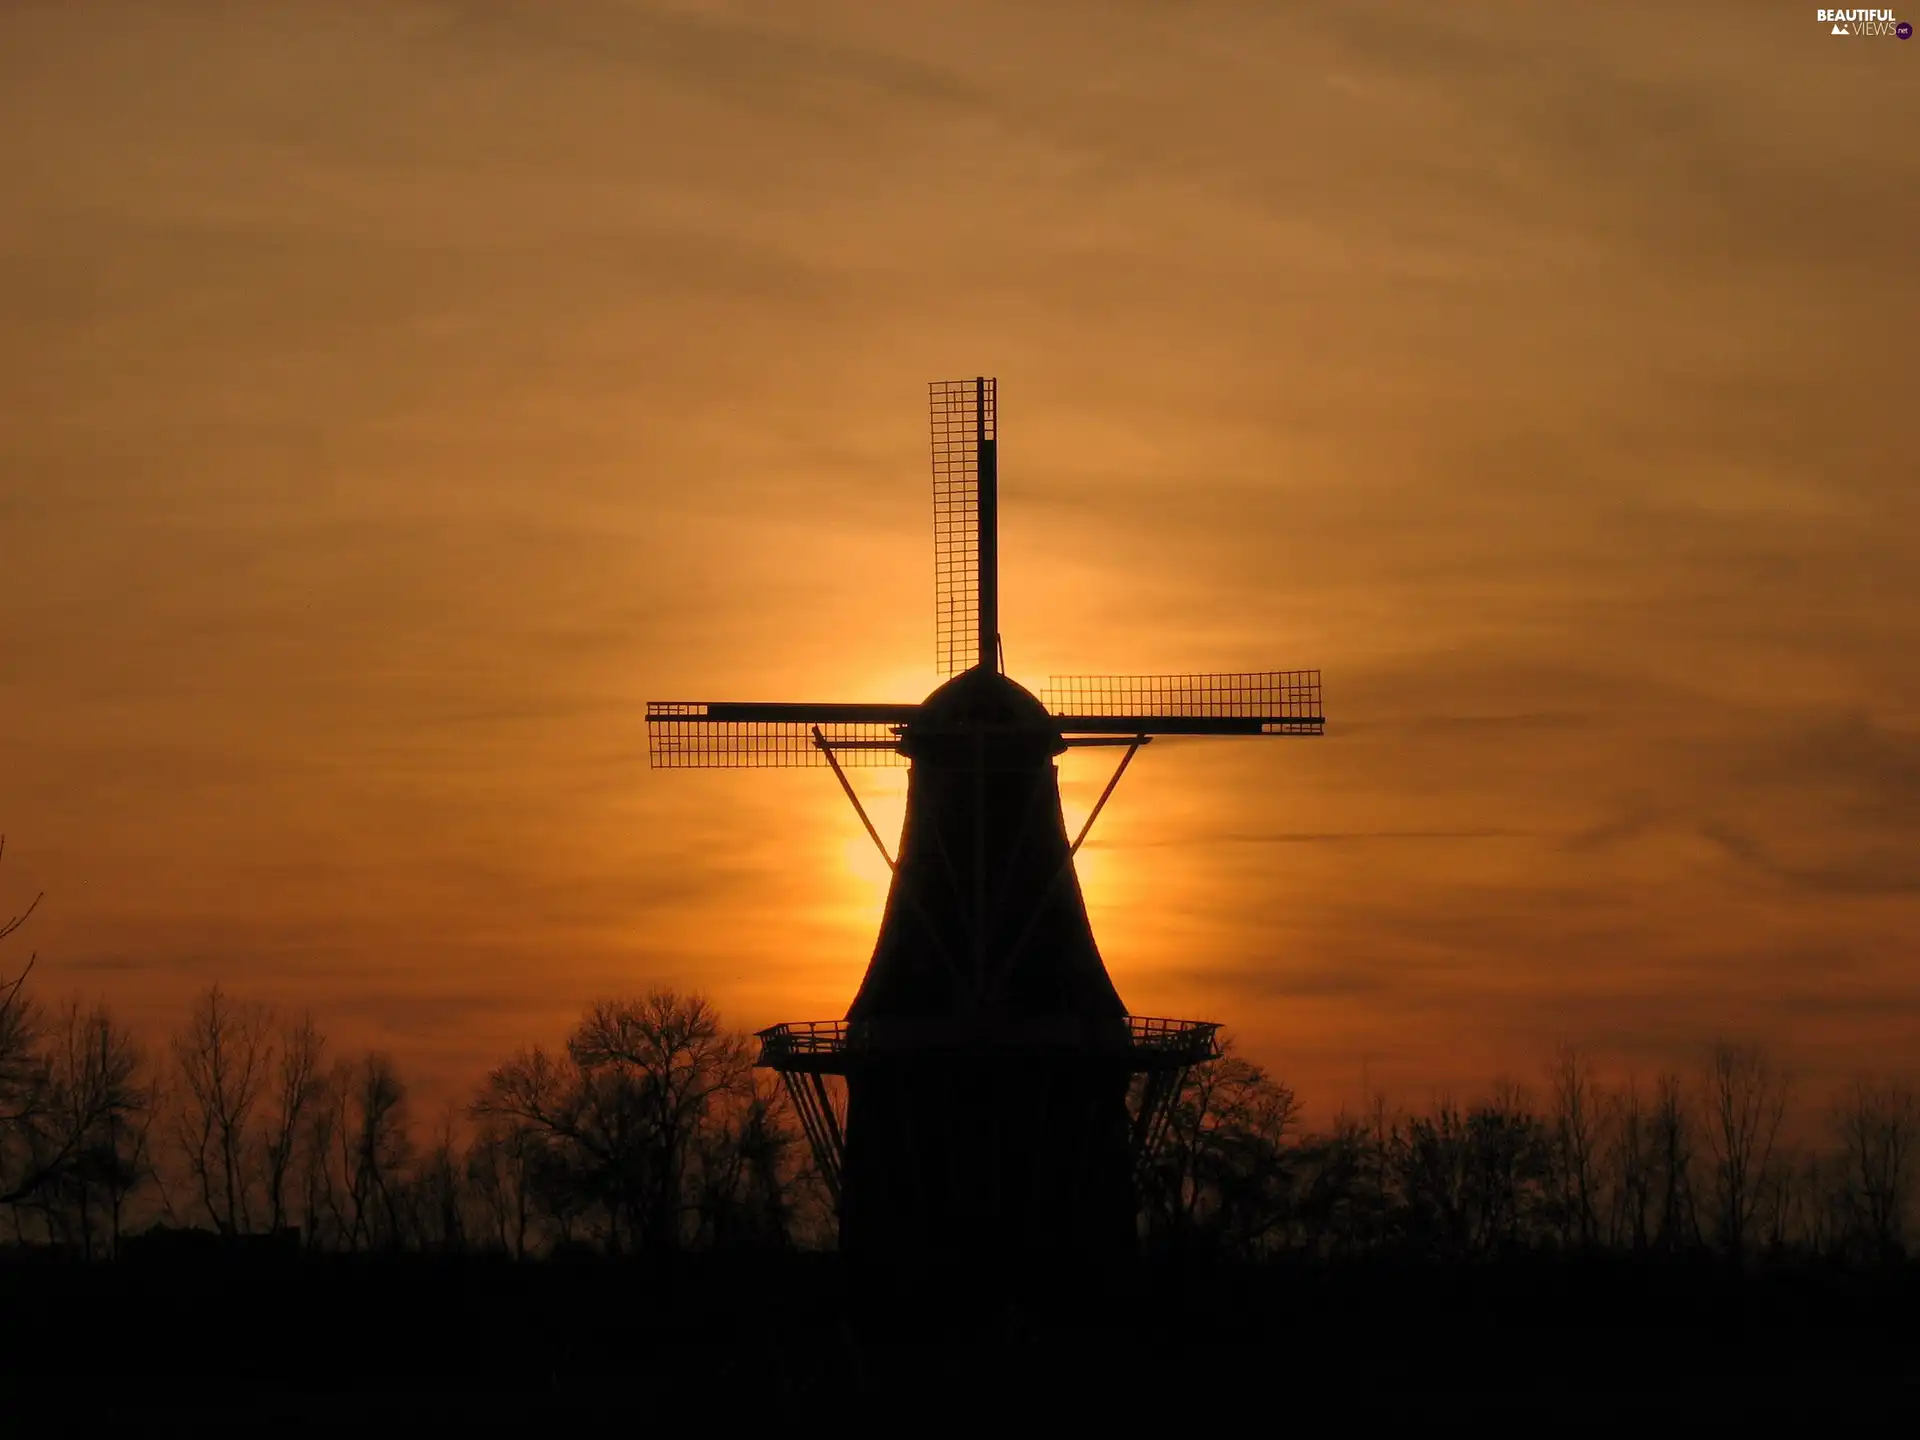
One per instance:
(1147, 1043)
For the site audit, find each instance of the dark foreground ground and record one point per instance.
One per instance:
(298, 1345)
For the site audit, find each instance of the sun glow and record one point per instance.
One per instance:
(865, 874)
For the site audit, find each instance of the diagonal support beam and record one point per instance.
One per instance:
(1100, 804)
(858, 809)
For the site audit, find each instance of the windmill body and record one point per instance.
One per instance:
(998, 1098)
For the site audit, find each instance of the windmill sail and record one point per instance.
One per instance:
(692, 734)
(966, 594)
(1263, 702)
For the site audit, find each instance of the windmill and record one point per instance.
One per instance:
(998, 1096)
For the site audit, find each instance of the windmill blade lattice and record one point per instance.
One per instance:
(1263, 702)
(687, 735)
(962, 415)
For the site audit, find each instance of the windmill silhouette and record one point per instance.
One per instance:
(999, 1098)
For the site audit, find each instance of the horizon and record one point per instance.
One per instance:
(400, 397)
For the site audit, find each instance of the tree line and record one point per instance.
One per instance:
(649, 1131)
(1693, 1163)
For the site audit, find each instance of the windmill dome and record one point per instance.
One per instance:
(983, 696)
(983, 701)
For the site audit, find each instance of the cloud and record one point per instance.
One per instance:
(1862, 872)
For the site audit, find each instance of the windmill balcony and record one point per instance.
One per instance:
(832, 1047)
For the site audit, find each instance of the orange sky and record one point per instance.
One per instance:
(394, 397)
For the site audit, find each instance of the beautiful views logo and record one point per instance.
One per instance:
(1865, 22)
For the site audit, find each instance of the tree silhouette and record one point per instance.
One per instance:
(1745, 1103)
(1629, 1163)
(1877, 1124)
(746, 1167)
(500, 1164)
(223, 1058)
(23, 1076)
(90, 1142)
(1226, 1172)
(618, 1124)
(1578, 1122)
(374, 1149)
(438, 1194)
(649, 1131)
(297, 1087)
(1677, 1226)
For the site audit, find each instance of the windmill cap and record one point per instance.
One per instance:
(984, 700)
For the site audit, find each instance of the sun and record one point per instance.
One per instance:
(867, 875)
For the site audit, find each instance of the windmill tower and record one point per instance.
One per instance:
(999, 1098)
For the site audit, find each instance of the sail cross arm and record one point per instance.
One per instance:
(771, 711)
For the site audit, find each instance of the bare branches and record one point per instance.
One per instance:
(374, 1149)
(1745, 1102)
(223, 1057)
(1877, 1124)
(22, 1070)
(1578, 1121)
(297, 1086)
(1226, 1175)
(1629, 1162)
(7, 927)
(649, 1126)
(79, 1150)
(1676, 1225)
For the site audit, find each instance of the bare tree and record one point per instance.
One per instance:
(1343, 1207)
(438, 1194)
(1676, 1218)
(223, 1057)
(88, 1145)
(374, 1149)
(1578, 1125)
(24, 1090)
(23, 1074)
(296, 1089)
(1826, 1212)
(1227, 1172)
(500, 1177)
(1433, 1174)
(322, 1207)
(532, 1114)
(1511, 1161)
(1745, 1103)
(620, 1116)
(1785, 1214)
(748, 1168)
(1877, 1125)
(668, 1063)
(1630, 1167)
